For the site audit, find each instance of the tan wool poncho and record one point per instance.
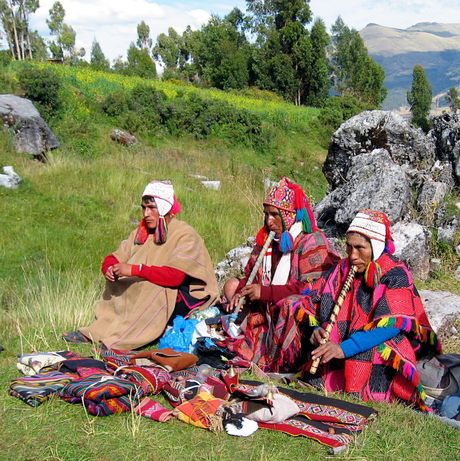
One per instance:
(132, 311)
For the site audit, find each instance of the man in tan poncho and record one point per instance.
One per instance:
(162, 270)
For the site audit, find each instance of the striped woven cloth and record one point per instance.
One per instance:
(34, 390)
(102, 395)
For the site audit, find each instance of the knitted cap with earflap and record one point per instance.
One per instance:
(375, 225)
(163, 194)
(289, 198)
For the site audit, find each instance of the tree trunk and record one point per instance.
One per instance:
(10, 42)
(16, 40)
(23, 53)
(28, 44)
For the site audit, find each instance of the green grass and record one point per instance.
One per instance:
(75, 209)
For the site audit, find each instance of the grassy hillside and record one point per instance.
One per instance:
(76, 208)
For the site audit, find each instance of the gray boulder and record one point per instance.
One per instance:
(373, 181)
(10, 179)
(412, 242)
(431, 194)
(447, 232)
(446, 133)
(235, 262)
(123, 137)
(31, 133)
(440, 306)
(372, 130)
(377, 160)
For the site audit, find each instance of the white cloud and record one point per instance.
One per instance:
(114, 22)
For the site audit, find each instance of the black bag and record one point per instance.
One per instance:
(440, 375)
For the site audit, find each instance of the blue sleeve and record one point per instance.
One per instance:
(364, 340)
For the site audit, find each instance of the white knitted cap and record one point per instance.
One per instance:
(163, 193)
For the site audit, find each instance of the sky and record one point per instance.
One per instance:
(113, 23)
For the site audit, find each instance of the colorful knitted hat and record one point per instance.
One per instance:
(163, 194)
(291, 201)
(375, 225)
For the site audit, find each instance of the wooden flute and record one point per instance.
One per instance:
(253, 273)
(335, 312)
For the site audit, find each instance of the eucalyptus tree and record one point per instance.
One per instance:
(318, 83)
(55, 23)
(64, 46)
(452, 99)
(168, 52)
(419, 97)
(282, 56)
(15, 15)
(223, 52)
(144, 42)
(140, 63)
(354, 71)
(178, 54)
(98, 60)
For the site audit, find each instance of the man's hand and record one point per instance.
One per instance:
(319, 336)
(252, 291)
(328, 351)
(230, 307)
(121, 270)
(249, 291)
(109, 275)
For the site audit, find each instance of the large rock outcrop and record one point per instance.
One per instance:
(376, 130)
(31, 133)
(378, 160)
(446, 133)
(375, 160)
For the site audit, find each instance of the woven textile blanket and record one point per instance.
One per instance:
(102, 395)
(36, 389)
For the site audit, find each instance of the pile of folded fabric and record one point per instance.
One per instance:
(206, 397)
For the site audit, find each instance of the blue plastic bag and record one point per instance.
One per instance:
(179, 337)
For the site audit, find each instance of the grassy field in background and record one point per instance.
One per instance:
(75, 209)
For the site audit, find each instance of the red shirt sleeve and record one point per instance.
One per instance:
(164, 275)
(275, 293)
(108, 261)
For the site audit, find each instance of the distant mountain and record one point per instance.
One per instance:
(434, 46)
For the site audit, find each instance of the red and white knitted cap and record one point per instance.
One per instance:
(375, 225)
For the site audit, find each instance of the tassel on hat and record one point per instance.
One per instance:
(294, 206)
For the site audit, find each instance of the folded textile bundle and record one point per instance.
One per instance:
(33, 363)
(102, 395)
(153, 410)
(36, 389)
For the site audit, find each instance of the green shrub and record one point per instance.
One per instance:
(42, 87)
(115, 104)
(5, 58)
(257, 93)
(337, 110)
(145, 96)
(7, 84)
(146, 110)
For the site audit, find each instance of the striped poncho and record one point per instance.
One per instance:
(388, 371)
